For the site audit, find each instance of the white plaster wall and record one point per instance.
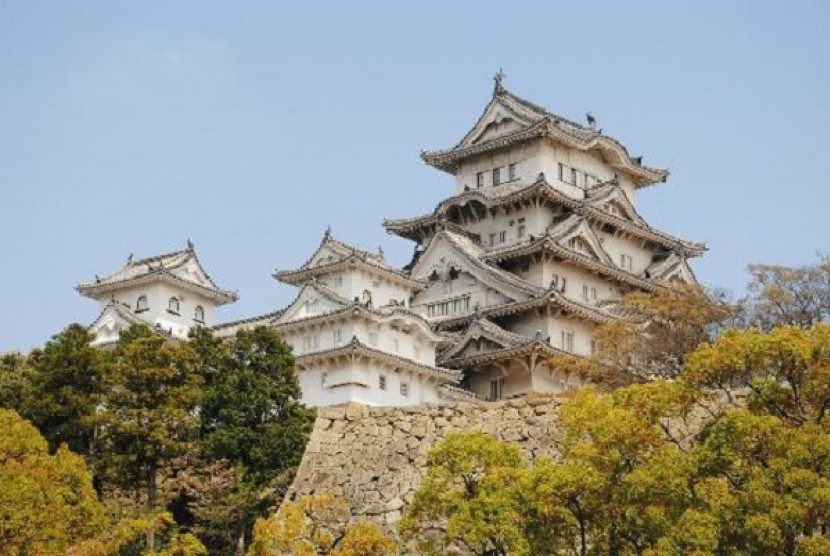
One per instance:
(552, 327)
(158, 296)
(576, 278)
(536, 222)
(352, 283)
(465, 284)
(523, 156)
(360, 382)
(616, 246)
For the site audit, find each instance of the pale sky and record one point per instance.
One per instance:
(249, 127)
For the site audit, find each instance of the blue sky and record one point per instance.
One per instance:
(128, 127)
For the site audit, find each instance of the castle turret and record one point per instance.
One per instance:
(171, 293)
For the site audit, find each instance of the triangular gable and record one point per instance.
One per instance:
(576, 234)
(501, 116)
(326, 254)
(613, 200)
(191, 270)
(332, 250)
(312, 301)
(483, 336)
(674, 269)
(112, 320)
(449, 254)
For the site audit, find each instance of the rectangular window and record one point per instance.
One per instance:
(566, 340)
(564, 285)
(337, 337)
(511, 172)
(585, 293)
(404, 389)
(573, 176)
(593, 294)
(626, 262)
(323, 377)
(382, 382)
(594, 346)
(496, 176)
(480, 180)
(561, 172)
(502, 237)
(496, 389)
(521, 230)
(492, 239)
(338, 281)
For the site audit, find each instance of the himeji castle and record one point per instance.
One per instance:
(528, 256)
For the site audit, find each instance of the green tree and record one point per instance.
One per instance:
(468, 498)
(251, 417)
(150, 414)
(65, 389)
(15, 379)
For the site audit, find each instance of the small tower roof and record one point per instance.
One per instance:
(333, 255)
(180, 267)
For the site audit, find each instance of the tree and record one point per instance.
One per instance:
(468, 498)
(47, 503)
(251, 417)
(652, 337)
(15, 379)
(794, 296)
(150, 415)
(65, 389)
(786, 370)
(317, 525)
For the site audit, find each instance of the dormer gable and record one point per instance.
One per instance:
(449, 255)
(672, 270)
(483, 336)
(612, 199)
(313, 300)
(500, 117)
(577, 235)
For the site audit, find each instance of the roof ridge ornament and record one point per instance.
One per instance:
(129, 259)
(498, 78)
(592, 121)
(189, 245)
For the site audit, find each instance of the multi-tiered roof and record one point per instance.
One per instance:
(581, 223)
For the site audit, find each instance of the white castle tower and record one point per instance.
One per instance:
(170, 293)
(538, 241)
(354, 337)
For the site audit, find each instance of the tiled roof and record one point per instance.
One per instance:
(356, 347)
(493, 196)
(536, 121)
(474, 254)
(169, 266)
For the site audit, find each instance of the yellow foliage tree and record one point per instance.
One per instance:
(47, 502)
(317, 525)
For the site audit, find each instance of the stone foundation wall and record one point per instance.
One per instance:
(375, 457)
